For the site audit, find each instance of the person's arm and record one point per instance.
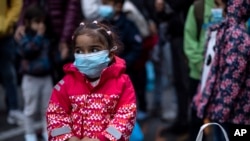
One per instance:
(121, 126)
(58, 115)
(12, 16)
(191, 43)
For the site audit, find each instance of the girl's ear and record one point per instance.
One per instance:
(111, 55)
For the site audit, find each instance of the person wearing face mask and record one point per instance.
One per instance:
(223, 94)
(132, 52)
(95, 101)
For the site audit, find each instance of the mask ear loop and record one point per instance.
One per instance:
(113, 49)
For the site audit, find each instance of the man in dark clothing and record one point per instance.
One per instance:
(132, 50)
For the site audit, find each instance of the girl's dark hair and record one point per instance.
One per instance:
(34, 12)
(100, 31)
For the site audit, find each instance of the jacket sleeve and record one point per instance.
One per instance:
(12, 15)
(58, 119)
(71, 19)
(125, 115)
(191, 43)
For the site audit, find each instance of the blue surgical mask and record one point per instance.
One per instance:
(106, 11)
(92, 64)
(217, 14)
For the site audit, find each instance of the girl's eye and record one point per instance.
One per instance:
(95, 50)
(78, 51)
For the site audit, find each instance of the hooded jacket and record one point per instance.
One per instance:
(105, 111)
(226, 95)
(193, 47)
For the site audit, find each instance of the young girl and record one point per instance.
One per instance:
(36, 69)
(95, 101)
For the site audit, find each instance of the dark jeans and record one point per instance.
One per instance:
(8, 77)
(195, 122)
(180, 69)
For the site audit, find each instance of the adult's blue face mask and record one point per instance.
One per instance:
(106, 11)
(217, 15)
(92, 64)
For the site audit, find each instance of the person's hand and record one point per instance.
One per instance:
(41, 29)
(19, 33)
(64, 50)
(89, 139)
(73, 139)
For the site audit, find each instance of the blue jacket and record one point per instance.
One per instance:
(130, 37)
(34, 51)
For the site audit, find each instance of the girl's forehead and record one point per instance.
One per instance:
(89, 40)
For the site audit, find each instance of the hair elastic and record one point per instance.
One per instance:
(82, 23)
(114, 48)
(109, 32)
(95, 22)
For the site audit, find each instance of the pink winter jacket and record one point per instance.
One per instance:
(106, 111)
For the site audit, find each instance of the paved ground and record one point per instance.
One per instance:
(151, 128)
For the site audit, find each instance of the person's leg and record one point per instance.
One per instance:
(9, 81)
(30, 88)
(168, 97)
(45, 96)
(180, 71)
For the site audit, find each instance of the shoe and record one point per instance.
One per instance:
(174, 129)
(30, 137)
(168, 116)
(15, 117)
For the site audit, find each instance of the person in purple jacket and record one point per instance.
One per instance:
(63, 18)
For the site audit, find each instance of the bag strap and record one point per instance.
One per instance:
(200, 134)
(199, 8)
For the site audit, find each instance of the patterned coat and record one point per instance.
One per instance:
(226, 96)
(78, 109)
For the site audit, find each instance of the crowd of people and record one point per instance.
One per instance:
(86, 62)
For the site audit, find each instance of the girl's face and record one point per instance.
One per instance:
(87, 44)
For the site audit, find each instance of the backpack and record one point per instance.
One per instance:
(199, 7)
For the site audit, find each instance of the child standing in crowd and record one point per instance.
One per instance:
(224, 96)
(36, 69)
(95, 101)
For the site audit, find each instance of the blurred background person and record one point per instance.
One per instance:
(63, 18)
(196, 25)
(164, 104)
(9, 13)
(223, 96)
(175, 23)
(35, 68)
